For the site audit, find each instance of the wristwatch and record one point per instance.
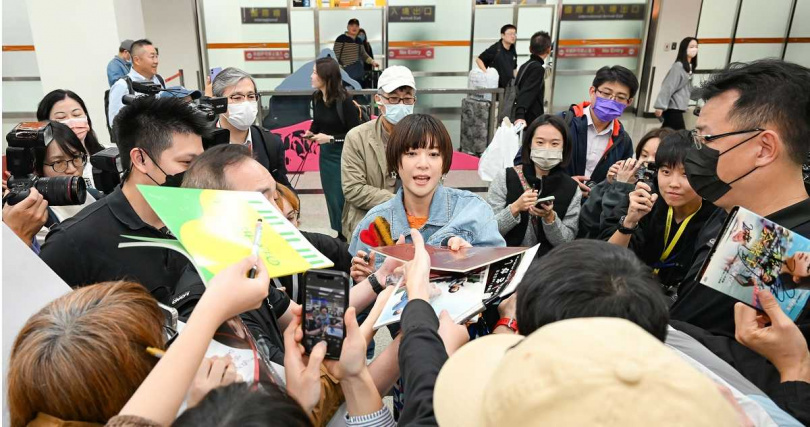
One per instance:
(508, 322)
(375, 284)
(624, 230)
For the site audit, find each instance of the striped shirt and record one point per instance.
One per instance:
(348, 51)
(381, 418)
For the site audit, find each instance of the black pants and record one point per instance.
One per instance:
(673, 119)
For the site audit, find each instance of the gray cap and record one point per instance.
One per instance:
(126, 45)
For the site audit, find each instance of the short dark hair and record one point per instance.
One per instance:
(66, 139)
(150, 123)
(238, 404)
(617, 74)
(591, 278)
(46, 105)
(540, 43)
(528, 136)
(353, 21)
(208, 169)
(508, 27)
(771, 91)
(673, 149)
(659, 133)
(418, 131)
(137, 44)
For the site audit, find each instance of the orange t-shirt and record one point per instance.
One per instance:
(416, 221)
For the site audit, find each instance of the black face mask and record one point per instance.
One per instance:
(701, 171)
(171, 180)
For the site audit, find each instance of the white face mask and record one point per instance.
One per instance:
(692, 52)
(396, 112)
(242, 115)
(546, 158)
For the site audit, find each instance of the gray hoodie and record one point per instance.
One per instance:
(676, 90)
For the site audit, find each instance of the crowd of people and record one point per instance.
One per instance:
(609, 326)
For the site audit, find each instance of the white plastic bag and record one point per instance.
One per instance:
(501, 152)
(483, 80)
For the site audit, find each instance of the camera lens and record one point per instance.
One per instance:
(62, 190)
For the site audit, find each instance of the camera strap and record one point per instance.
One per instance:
(668, 248)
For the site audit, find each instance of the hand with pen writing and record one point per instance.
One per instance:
(231, 292)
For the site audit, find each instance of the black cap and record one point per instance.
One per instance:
(354, 21)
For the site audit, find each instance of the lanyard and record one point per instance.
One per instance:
(668, 248)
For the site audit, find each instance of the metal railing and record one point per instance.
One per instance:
(493, 108)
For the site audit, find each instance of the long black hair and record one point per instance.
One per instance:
(44, 113)
(328, 71)
(682, 55)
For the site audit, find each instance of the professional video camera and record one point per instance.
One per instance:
(209, 106)
(25, 142)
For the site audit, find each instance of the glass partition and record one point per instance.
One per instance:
(304, 46)
(798, 46)
(593, 34)
(715, 29)
(761, 30)
(332, 23)
(262, 49)
(488, 22)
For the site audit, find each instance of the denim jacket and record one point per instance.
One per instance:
(453, 212)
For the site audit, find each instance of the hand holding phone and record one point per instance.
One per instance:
(326, 298)
(544, 200)
(213, 73)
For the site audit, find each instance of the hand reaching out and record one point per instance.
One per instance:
(303, 372)
(453, 336)
(456, 243)
(214, 372)
(417, 272)
(231, 292)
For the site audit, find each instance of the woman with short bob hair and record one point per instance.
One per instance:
(83, 356)
(419, 153)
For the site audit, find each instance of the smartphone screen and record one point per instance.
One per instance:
(214, 72)
(325, 301)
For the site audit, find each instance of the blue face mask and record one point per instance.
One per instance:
(361, 37)
(396, 112)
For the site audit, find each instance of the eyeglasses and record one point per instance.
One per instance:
(611, 96)
(238, 97)
(62, 165)
(397, 100)
(701, 140)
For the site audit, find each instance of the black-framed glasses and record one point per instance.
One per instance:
(62, 165)
(612, 96)
(397, 100)
(701, 140)
(238, 97)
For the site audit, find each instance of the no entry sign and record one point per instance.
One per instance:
(411, 53)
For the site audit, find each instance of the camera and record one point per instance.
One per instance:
(26, 142)
(107, 169)
(647, 173)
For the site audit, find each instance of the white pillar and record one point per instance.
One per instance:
(75, 40)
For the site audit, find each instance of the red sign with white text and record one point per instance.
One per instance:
(596, 52)
(267, 55)
(410, 53)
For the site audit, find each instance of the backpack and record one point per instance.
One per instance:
(515, 84)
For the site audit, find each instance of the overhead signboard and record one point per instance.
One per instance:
(267, 55)
(602, 12)
(264, 15)
(411, 14)
(596, 52)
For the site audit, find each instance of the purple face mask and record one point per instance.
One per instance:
(607, 109)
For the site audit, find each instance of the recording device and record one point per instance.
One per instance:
(647, 173)
(544, 200)
(26, 141)
(326, 298)
(146, 88)
(107, 169)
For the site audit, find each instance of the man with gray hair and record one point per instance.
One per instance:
(363, 166)
(243, 106)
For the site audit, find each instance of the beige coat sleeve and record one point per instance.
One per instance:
(353, 166)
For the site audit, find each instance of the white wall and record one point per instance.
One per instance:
(170, 26)
(677, 19)
(129, 19)
(79, 62)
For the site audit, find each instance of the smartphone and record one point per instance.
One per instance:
(326, 298)
(214, 72)
(543, 200)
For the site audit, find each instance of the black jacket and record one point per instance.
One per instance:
(271, 153)
(531, 90)
(421, 357)
(648, 239)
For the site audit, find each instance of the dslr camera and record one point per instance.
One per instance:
(26, 142)
(647, 173)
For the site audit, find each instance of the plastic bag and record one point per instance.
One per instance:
(478, 79)
(501, 152)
